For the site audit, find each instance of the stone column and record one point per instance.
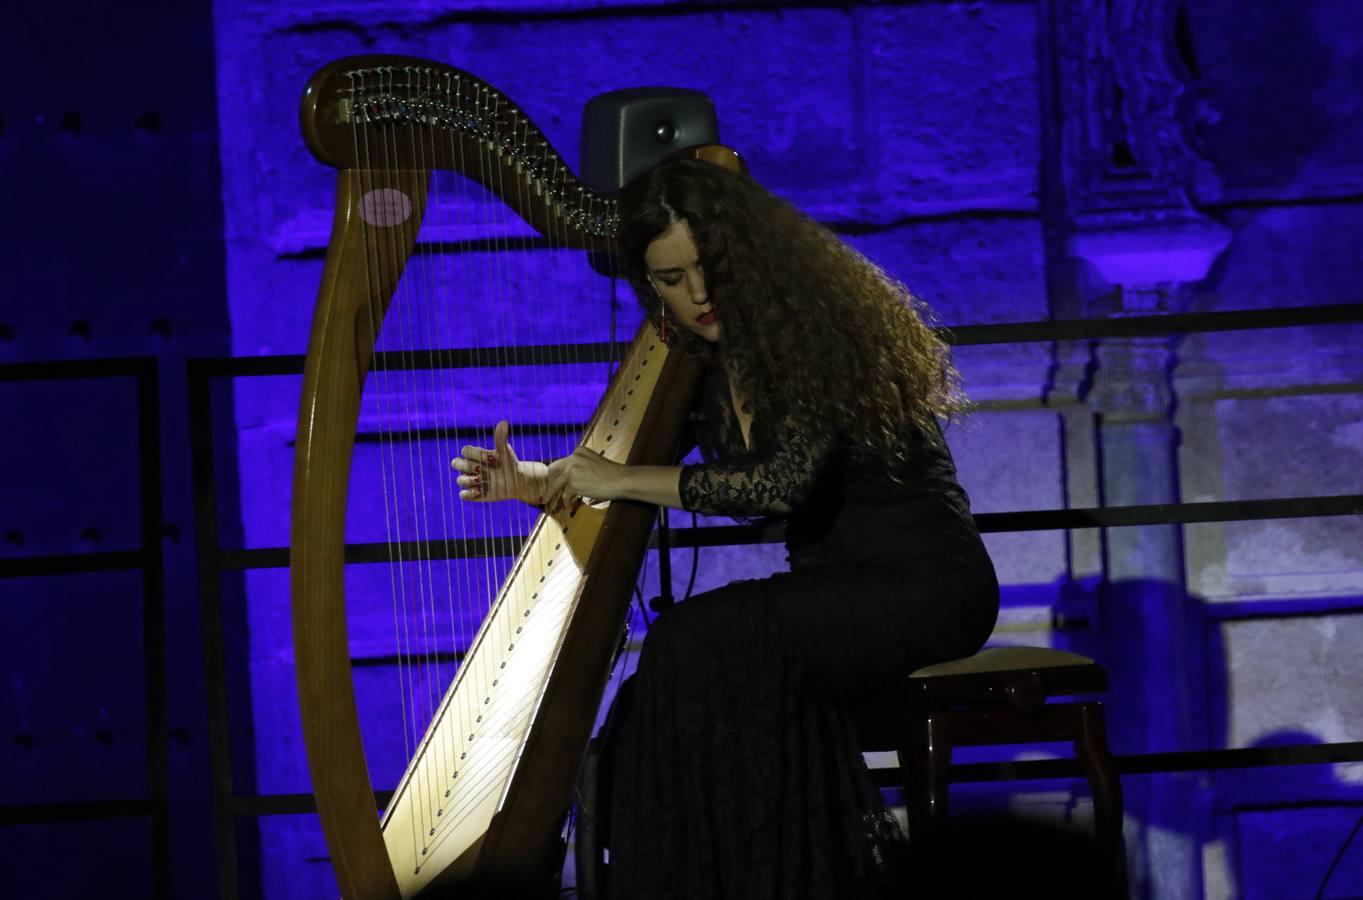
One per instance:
(1123, 239)
(1148, 628)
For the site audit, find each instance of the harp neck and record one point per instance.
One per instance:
(397, 112)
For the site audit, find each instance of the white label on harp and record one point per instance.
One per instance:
(385, 207)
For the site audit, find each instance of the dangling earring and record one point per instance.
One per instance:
(662, 320)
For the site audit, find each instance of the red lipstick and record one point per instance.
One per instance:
(706, 318)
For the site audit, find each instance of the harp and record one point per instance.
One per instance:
(481, 800)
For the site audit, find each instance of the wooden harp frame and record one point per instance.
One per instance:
(474, 122)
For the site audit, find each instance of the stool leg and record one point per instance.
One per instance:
(1093, 753)
(924, 759)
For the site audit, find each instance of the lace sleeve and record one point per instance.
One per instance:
(770, 483)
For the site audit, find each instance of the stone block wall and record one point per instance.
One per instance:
(111, 247)
(919, 131)
(152, 210)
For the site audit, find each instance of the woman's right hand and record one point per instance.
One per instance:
(496, 474)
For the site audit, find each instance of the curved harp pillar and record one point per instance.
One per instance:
(482, 799)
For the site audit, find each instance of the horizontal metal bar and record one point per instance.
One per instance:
(59, 369)
(469, 432)
(1154, 326)
(289, 804)
(1280, 608)
(605, 351)
(417, 360)
(1026, 770)
(508, 244)
(1068, 519)
(1065, 519)
(71, 563)
(489, 357)
(246, 366)
(773, 533)
(1172, 513)
(959, 335)
(47, 813)
(378, 552)
(1150, 763)
(1240, 758)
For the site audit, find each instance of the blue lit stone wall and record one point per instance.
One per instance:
(1277, 414)
(921, 131)
(111, 246)
(931, 136)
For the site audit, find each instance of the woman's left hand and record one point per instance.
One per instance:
(584, 475)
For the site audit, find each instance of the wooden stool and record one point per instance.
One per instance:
(997, 696)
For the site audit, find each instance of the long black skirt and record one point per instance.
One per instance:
(735, 771)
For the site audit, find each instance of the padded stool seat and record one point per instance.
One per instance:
(998, 696)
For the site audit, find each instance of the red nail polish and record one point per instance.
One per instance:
(477, 469)
(492, 460)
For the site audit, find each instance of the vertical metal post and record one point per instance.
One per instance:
(210, 594)
(154, 622)
(665, 596)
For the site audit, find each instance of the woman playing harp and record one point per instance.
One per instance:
(736, 772)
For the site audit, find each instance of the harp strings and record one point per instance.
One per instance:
(431, 320)
(419, 414)
(499, 225)
(409, 463)
(434, 303)
(458, 581)
(450, 766)
(369, 148)
(459, 324)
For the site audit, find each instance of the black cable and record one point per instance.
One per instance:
(618, 673)
(570, 820)
(1338, 856)
(639, 594)
(610, 363)
(695, 563)
(643, 610)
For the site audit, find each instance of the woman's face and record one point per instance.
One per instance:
(674, 271)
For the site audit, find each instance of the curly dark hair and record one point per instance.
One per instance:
(813, 331)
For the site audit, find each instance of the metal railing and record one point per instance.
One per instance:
(148, 559)
(214, 560)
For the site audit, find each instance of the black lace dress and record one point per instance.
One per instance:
(733, 770)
